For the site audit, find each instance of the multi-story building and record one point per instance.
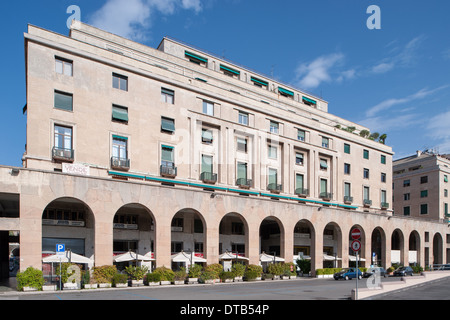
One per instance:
(170, 149)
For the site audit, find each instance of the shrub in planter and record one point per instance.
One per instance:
(136, 273)
(207, 276)
(252, 272)
(195, 271)
(226, 276)
(216, 268)
(153, 278)
(304, 265)
(166, 273)
(104, 274)
(238, 269)
(120, 279)
(267, 276)
(31, 277)
(180, 276)
(276, 269)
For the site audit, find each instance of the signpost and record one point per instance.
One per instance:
(60, 251)
(356, 246)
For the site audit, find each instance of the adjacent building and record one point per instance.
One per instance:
(170, 149)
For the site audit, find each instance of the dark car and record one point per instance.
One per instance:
(375, 270)
(347, 274)
(403, 271)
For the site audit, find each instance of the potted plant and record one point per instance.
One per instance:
(70, 275)
(167, 275)
(226, 276)
(289, 271)
(215, 269)
(153, 279)
(30, 280)
(267, 276)
(103, 275)
(276, 269)
(238, 270)
(208, 277)
(195, 270)
(87, 281)
(137, 274)
(179, 276)
(253, 272)
(120, 280)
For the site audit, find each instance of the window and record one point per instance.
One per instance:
(424, 208)
(63, 66)
(63, 138)
(366, 154)
(366, 173)
(167, 156)
(323, 164)
(63, 101)
(207, 164)
(346, 168)
(383, 196)
(301, 135)
(406, 183)
(323, 185)
(177, 225)
(446, 193)
(347, 189)
(167, 125)
(424, 193)
(406, 196)
(272, 176)
(194, 58)
(346, 148)
(237, 228)
(366, 193)
(383, 159)
(120, 82)
(446, 209)
(325, 142)
(383, 177)
(445, 178)
(229, 71)
(167, 96)
(207, 136)
(119, 113)
(286, 93)
(406, 211)
(208, 108)
(274, 126)
(299, 181)
(259, 83)
(243, 118)
(424, 179)
(299, 158)
(242, 170)
(272, 152)
(242, 144)
(309, 102)
(119, 148)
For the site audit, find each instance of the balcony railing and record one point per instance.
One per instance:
(62, 154)
(120, 163)
(208, 177)
(302, 192)
(274, 187)
(244, 183)
(327, 196)
(367, 202)
(348, 199)
(168, 169)
(384, 205)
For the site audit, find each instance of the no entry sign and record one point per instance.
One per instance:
(356, 234)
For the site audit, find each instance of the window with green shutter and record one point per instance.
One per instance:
(346, 148)
(366, 154)
(119, 113)
(424, 208)
(424, 193)
(383, 159)
(167, 125)
(63, 101)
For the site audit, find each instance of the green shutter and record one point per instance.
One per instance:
(287, 92)
(120, 113)
(309, 100)
(222, 67)
(167, 125)
(63, 101)
(261, 82)
(193, 55)
(347, 148)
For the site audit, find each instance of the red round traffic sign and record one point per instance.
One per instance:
(356, 245)
(356, 234)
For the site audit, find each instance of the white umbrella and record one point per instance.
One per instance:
(187, 257)
(353, 258)
(264, 257)
(67, 257)
(231, 256)
(131, 256)
(327, 257)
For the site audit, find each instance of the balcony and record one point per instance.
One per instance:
(168, 169)
(326, 196)
(348, 199)
(244, 183)
(274, 187)
(60, 154)
(302, 192)
(120, 163)
(384, 205)
(367, 202)
(208, 177)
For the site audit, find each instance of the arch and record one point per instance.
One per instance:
(233, 234)
(362, 260)
(269, 242)
(414, 252)
(332, 245)
(398, 248)
(378, 247)
(438, 257)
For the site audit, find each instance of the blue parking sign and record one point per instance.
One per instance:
(60, 249)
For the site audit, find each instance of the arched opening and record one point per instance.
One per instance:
(134, 230)
(270, 235)
(397, 248)
(233, 240)
(378, 245)
(188, 234)
(437, 249)
(414, 249)
(304, 246)
(332, 246)
(70, 222)
(362, 260)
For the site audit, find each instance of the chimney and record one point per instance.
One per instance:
(419, 153)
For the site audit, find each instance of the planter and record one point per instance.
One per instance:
(70, 286)
(165, 282)
(137, 283)
(210, 281)
(276, 277)
(29, 289)
(154, 283)
(238, 279)
(121, 285)
(49, 287)
(192, 280)
(104, 285)
(178, 282)
(91, 286)
(227, 280)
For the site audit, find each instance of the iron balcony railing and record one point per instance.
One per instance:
(348, 199)
(208, 177)
(367, 202)
(302, 192)
(327, 196)
(244, 183)
(384, 205)
(62, 154)
(274, 187)
(168, 169)
(120, 163)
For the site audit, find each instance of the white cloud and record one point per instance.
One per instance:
(132, 18)
(389, 124)
(438, 130)
(383, 67)
(313, 74)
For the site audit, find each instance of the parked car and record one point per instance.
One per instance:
(347, 274)
(371, 271)
(404, 271)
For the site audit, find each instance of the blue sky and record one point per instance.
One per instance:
(394, 80)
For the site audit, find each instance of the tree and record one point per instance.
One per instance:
(374, 136)
(382, 138)
(364, 133)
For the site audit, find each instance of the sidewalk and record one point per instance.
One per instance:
(364, 293)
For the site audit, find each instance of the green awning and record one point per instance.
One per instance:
(289, 93)
(119, 113)
(119, 137)
(262, 82)
(323, 163)
(309, 100)
(193, 55)
(222, 67)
